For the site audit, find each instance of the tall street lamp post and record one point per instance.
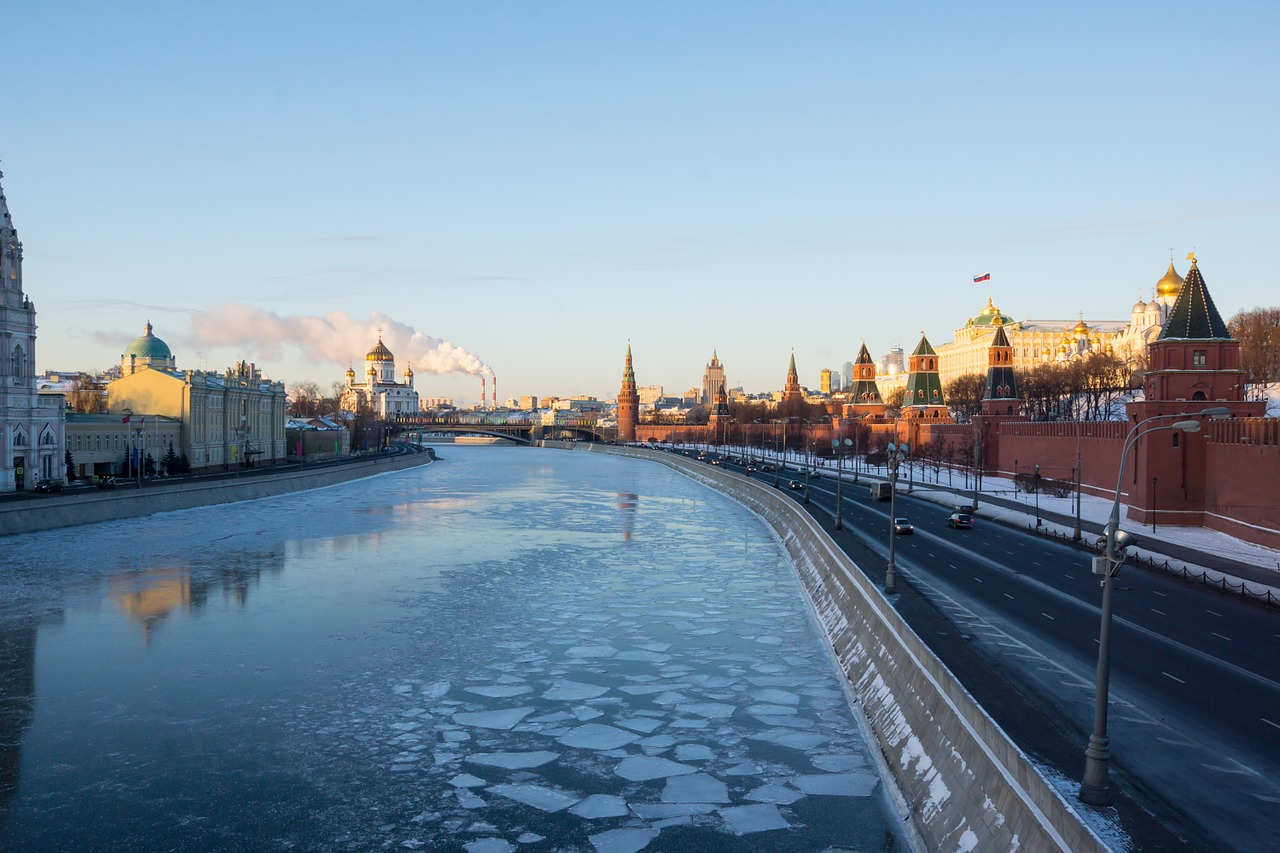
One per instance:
(896, 454)
(839, 447)
(1037, 492)
(1095, 788)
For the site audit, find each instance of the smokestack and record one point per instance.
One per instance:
(495, 392)
(482, 390)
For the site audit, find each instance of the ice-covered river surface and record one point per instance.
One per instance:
(510, 649)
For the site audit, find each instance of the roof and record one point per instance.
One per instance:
(1194, 316)
(148, 346)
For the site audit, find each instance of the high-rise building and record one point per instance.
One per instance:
(712, 379)
(824, 381)
(32, 427)
(847, 375)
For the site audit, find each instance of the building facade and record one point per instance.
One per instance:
(1034, 342)
(712, 380)
(229, 419)
(628, 402)
(378, 391)
(31, 425)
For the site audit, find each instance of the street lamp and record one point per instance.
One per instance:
(1037, 491)
(1095, 788)
(839, 449)
(896, 454)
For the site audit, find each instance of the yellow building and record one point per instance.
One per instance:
(230, 419)
(1043, 341)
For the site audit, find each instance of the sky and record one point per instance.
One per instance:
(521, 189)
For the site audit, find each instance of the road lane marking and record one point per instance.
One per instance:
(1228, 639)
(1174, 677)
(1211, 613)
(975, 577)
(1008, 596)
(1161, 594)
(1161, 612)
(1269, 723)
(1047, 616)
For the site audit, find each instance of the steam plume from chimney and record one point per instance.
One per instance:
(335, 338)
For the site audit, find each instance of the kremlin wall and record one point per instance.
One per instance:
(1220, 477)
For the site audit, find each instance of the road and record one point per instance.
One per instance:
(1195, 674)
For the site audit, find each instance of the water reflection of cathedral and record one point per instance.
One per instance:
(17, 704)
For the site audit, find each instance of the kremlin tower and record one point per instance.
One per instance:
(628, 403)
(792, 393)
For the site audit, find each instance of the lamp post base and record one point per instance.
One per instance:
(890, 581)
(1095, 790)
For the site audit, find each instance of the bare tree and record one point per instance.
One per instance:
(964, 396)
(86, 396)
(304, 399)
(893, 402)
(1258, 331)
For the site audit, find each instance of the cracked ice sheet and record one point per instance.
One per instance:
(542, 797)
(597, 736)
(503, 720)
(837, 784)
(622, 840)
(743, 820)
(695, 788)
(513, 760)
(600, 805)
(641, 768)
(574, 691)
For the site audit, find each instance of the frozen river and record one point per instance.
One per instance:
(510, 649)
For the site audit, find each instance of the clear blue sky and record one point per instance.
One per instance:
(537, 183)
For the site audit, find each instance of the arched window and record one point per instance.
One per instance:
(19, 362)
(1199, 395)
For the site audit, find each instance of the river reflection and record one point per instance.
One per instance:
(466, 656)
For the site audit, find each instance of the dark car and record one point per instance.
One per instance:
(49, 486)
(960, 520)
(903, 526)
(795, 485)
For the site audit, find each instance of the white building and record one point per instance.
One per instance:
(31, 426)
(379, 393)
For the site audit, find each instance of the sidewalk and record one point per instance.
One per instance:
(1194, 552)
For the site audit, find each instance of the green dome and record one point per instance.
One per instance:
(148, 346)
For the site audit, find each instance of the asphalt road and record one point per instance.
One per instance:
(1194, 716)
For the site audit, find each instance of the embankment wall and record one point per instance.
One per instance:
(968, 786)
(48, 512)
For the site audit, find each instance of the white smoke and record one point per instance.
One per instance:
(335, 338)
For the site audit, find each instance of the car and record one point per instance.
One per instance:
(903, 526)
(106, 483)
(766, 468)
(960, 520)
(795, 485)
(49, 486)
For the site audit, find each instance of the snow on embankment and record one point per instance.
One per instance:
(968, 785)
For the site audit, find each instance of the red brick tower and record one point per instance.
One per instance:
(922, 398)
(792, 392)
(628, 403)
(1194, 365)
(864, 396)
(1001, 396)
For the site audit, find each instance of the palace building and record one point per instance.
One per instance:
(1034, 342)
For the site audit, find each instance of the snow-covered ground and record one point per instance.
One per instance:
(506, 650)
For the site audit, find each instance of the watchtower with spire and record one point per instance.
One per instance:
(863, 395)
(628, 402)
(923, 399)
(792, 392)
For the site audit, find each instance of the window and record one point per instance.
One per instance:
(1198, 358)
(1176, 436)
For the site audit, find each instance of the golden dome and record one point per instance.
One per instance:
(1081, 328)
(351, 371)
(1171, 284)
(379, 352)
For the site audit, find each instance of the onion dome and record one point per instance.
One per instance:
(1080, 328)
(148, 346)
(1139, 307)
(990, 316)
(1171, 284)
(351, 372)
(379, 352)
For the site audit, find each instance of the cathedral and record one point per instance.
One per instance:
(31, 426)
(379, 393)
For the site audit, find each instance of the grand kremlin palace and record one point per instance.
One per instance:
(1041, 341)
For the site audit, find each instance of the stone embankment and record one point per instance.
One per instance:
(47, 512)
(967, 785)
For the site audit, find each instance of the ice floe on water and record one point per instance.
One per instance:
(554, 684)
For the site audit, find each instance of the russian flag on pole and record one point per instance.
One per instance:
(986, 276)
